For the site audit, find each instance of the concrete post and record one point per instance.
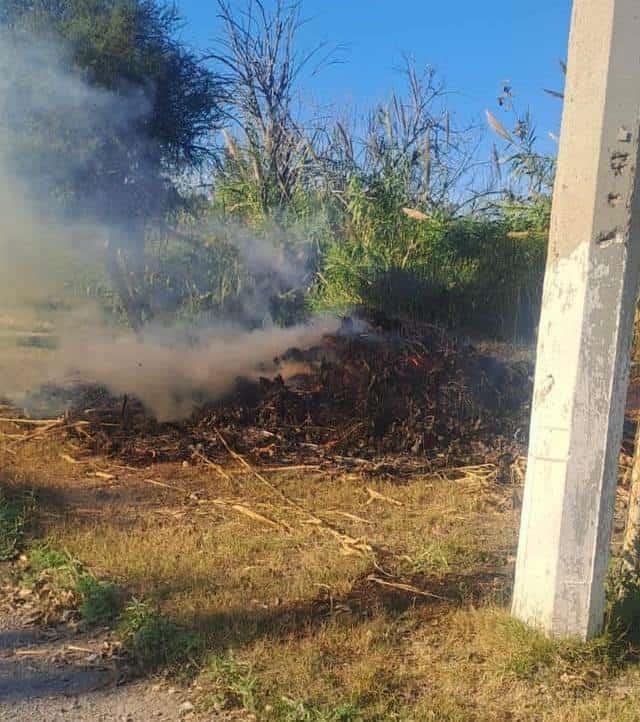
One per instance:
(585, 329)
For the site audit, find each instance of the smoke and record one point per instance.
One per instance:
(50, 124)
(171, 378)
(54, 129)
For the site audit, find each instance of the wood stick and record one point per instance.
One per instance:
(405, 588)
(31, 422)
(164, 486)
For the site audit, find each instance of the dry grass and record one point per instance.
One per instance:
(296, 626)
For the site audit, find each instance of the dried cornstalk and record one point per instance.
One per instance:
(348, 544)
(405, 588)
(31, 422)
(261, 518)
(373, 494)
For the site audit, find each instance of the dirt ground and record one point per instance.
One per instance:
(52, 675)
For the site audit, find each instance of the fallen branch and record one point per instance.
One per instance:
(246, 511)
(164, 486)
(213, 465)
(349, 544)
(405, 588)
(31, 422)
(376, 495)
(69, 459)
(295, 467)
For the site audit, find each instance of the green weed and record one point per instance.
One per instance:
(154, 641)
(530, 652)
(622, 612)
(98, 601)
(41, 558)
(233, 684)
(288, 710)
(14, 518)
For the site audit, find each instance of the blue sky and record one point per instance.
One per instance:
(474, 45)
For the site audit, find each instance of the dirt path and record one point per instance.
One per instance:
(56, 676)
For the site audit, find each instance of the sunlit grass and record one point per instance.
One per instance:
(281, 623)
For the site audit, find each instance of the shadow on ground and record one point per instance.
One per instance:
(366, 600)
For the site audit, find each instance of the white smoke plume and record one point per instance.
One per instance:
(45, 251)
(169, 377)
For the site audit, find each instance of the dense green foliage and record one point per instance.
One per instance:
(389, 216)
(111, 110)
(466, 272)
(130, 49)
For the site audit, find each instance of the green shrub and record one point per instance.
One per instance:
(100, 601)
(622, 613)
(468, 273)
(43, 558)
(233, 684)
(154, 641)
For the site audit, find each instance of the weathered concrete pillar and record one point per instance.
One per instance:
(585, 329)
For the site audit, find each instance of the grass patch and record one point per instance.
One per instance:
(290, 629)
(155, 641)
(151, 639)
(287, 710)
(442, 556)
(232, 684)
(15, 515)
(529, 652)
(98, 602)
(41, 558)
(101, 602)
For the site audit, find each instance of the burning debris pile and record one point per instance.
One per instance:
(167, 392)
(411, 392)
